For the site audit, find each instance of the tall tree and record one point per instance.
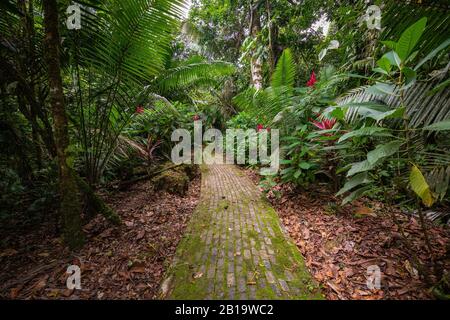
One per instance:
(256, 61)
(70, 202)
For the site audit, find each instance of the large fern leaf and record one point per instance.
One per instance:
(284, 74)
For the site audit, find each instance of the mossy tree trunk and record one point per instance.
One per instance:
(70, 206)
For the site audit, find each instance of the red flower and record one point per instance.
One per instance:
(312, 80)
(259, 127)
(324, 124)
(196, 117)
(139, 109)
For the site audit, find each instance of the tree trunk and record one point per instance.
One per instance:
(69, 193)
(256, 62)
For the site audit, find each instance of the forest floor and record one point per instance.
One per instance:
(125, 262)
(339, 245)
(131, 261)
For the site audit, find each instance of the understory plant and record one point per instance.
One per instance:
(400, 156)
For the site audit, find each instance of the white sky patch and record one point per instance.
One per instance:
(322, 23)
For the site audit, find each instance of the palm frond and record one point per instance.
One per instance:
(193, 73)
(129, 37)
(284, 74)
(422, 108)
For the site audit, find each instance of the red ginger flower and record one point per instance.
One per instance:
(196, 117)
(312, 80)
(139, 109)
(260, 127)
(324, 124)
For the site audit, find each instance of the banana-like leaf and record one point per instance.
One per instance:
(374, 157)
(360, 167)
(383, 151)
(420, 186)
(356, 194)
(355, 181)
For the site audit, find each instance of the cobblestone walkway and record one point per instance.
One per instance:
(234, 247)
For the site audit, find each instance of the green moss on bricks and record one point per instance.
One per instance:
(217, 221)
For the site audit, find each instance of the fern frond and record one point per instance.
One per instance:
(284, 74)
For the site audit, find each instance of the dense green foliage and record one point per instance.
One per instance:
(364, 111)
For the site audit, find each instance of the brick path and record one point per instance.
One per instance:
(234, 247)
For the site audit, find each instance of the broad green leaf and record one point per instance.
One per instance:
(286, 171)
(370, 105)
(393, 58)
(379, 70)
(357, 180)
(395, 113)
(390, 44)
(420, 186)
(379, 115)
(384, 64)
(338, 113)
(439, 126)
(356, 194)
(358, 167)
(322, 54)
(409, 38)
(381, 89)
(432, 54)
(383, 151)
(366, 131)
(412, 56)
(305, 165)
(410, 76)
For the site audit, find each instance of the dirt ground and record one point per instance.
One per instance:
(340, 245)
(125, 262)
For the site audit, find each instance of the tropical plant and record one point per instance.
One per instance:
(398, 143)
(300, 158)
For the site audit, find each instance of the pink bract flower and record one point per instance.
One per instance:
(312, 80)
(324, 124)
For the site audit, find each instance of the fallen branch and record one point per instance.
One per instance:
(30, 276)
